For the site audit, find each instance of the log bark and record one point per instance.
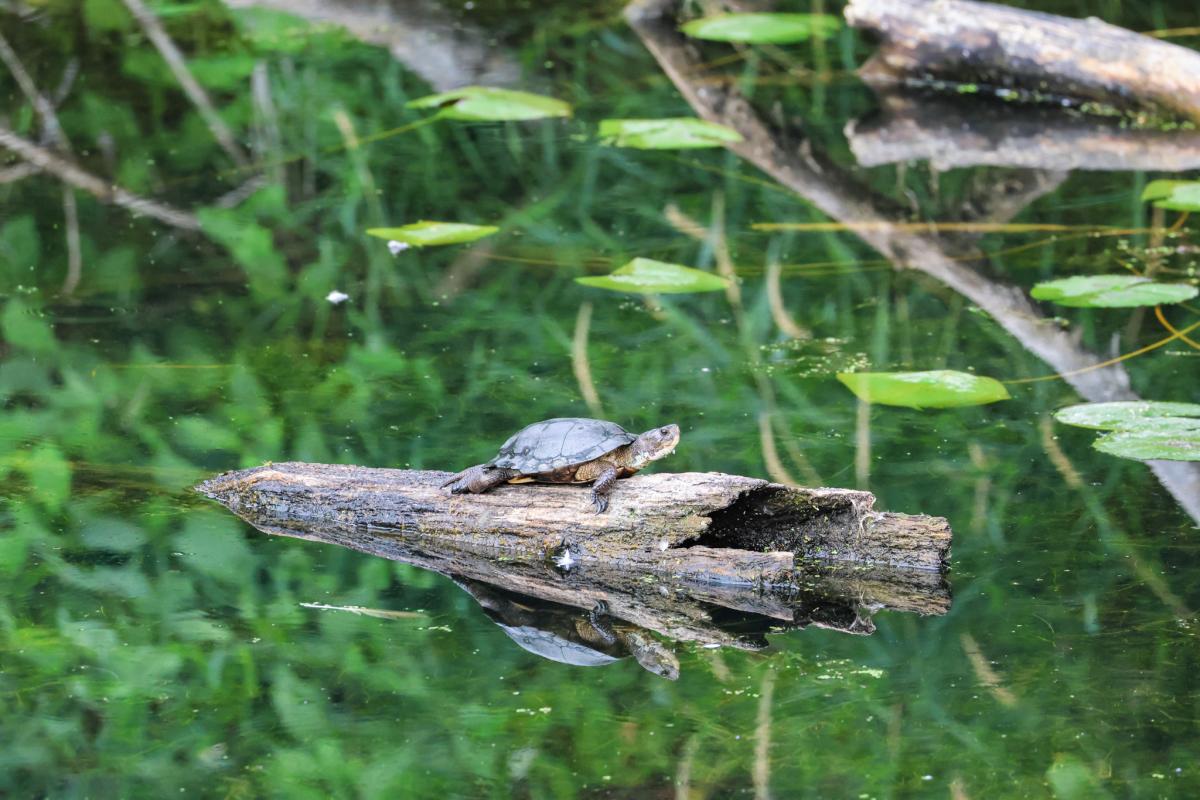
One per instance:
(1027, 51)
(968, 133)
(704, 526)
(709, 596)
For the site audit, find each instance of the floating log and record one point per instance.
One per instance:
(707, 526)
(705, 595)
(1044, 55)
(969, 132)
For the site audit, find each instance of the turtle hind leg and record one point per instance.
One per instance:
(602, 488)
(478, 479)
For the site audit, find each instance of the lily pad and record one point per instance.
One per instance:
(1126, 414)
(942, 388)
(665, 134)
(426, 233)
(1181, 444)
(1111, 291)
(1174, 195)
(488, 104)
(647, 276)
(763, 28)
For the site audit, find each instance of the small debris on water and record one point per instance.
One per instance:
(397, 248)
(337, 297)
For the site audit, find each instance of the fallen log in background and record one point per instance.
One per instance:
(705, 525)
(970, 132)
(1047, 55)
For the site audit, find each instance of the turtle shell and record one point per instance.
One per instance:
(557, 443)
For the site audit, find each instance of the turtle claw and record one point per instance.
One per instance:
(599, 503)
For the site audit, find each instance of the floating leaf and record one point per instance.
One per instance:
(941, 388)
(762, 28)
(657, 277)
(1174, 195)
(488, 104)
(1179, 444)
(426, 233)
(1125, 414)
(1111, 291)
(665, 134)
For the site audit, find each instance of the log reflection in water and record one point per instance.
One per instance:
(552, 611)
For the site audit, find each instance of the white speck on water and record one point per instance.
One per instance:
(926, 777)
(337, 297)
(397, 247)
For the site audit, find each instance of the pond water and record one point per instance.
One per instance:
(152, 644)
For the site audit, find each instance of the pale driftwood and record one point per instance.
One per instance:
(687, 594)
(444, 48)
(705, 526)
(971, 42)
(969, 133)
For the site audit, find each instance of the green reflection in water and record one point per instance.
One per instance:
(151, 643)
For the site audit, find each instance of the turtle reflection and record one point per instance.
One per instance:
(569, 635)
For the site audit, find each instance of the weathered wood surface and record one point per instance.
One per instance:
(707, 525)
(831, 595)
(1010, 48)
(968, 132)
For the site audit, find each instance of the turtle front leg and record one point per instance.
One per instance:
(602, 488)
(478, 479)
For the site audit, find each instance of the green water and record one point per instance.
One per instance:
(153, 645)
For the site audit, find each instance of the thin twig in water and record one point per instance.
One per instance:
(45, 159)
(195, 92)
(381, 613)
(984, 673)
(45, 111)
(775, 467)
(74, 257)
(762, 738)
(17, 173)
(862, 446)
(779, 311)
(580, 363)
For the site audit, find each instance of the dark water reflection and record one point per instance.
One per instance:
(153, 643)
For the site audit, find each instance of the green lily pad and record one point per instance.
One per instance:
(941, 388)
(1111, 291)
(488, 104)
(1174, 195)
(647, 276)
(1181, 444)
(1125, 414)
(665, 134)
(763, 28)
(425, 233)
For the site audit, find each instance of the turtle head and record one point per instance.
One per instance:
(654, 444)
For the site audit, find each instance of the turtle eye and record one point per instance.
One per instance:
(664, 431)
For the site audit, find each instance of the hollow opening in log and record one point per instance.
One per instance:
(772, 518)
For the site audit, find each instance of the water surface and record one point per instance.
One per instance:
(153, 644)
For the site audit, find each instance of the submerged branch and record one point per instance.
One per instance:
(46, 160)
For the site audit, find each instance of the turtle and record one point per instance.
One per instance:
(569, 450)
